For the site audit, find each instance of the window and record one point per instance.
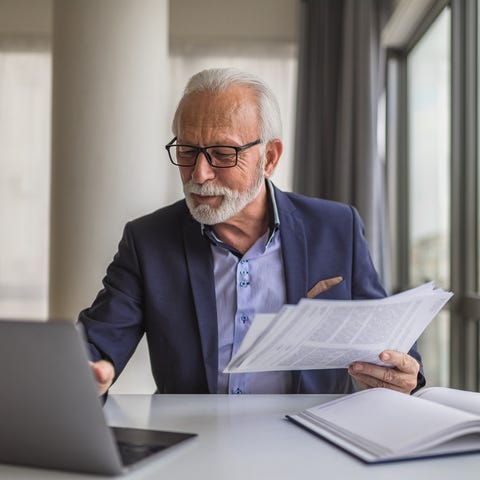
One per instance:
(419, 168)
(428, 166)
(25, 83)
(433, 129)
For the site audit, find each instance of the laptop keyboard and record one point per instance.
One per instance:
(131, 453)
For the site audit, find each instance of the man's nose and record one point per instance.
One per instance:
(202, 171)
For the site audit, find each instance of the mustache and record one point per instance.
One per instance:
(205, 189)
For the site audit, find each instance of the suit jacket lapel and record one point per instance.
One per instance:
(294, 249)
(200, 266)
(295, 261)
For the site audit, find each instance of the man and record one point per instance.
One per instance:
(192, 275)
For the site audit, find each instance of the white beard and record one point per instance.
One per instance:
(233, 201)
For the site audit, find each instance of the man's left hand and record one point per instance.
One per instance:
(402, 376)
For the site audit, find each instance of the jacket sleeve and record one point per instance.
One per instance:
(365, 280)
(114, 323)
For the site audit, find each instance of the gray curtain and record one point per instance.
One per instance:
(340, 82)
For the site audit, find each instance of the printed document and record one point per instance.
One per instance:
(317, 334)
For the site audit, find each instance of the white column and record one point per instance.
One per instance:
(110, 71)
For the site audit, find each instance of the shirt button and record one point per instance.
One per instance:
(243, 272)
(244, 318)
(237, 391)
(244, 284)
(243, 262)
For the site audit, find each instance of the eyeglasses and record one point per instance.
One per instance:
(218, 156)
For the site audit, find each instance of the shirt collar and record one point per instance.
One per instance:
(273, 221)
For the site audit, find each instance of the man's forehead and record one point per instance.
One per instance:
(218, 108)
(227, 101)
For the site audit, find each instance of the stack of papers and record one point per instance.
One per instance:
(317, 334)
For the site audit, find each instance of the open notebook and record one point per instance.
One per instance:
(50, 413)
(381, 425)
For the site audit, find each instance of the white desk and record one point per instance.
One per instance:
(247, 438)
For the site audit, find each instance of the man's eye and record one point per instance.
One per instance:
(223, 154)
(186, 152)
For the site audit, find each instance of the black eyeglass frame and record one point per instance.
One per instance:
(203, 150)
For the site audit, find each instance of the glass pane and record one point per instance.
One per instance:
(25, 92)
(428, 67)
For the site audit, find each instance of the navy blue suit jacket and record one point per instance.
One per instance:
(161, 282)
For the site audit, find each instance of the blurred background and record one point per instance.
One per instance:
(379, 103)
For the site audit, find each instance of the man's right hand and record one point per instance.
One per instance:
(104, 374)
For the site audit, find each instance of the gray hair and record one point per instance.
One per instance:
(219, 79)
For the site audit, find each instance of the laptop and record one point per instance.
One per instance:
(50, 412)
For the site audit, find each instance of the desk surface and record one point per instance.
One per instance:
(246, 437)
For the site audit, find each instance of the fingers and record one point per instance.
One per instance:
(104, 374)
(402, 376)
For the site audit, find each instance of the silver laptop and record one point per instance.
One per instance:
(50, 412)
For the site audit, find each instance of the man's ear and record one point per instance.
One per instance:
(273, 152)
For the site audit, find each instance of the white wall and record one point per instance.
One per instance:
(210, 21)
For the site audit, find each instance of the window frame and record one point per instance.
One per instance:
(464, 182)
(464, 329)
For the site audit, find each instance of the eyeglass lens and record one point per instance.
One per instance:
(185, 155)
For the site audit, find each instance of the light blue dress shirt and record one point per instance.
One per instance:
(246, 285)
